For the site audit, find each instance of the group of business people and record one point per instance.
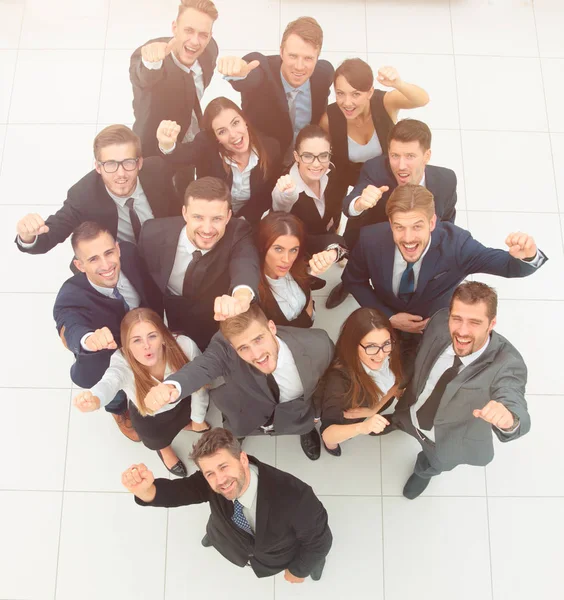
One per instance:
(184, 291)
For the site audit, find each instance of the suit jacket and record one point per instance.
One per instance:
(292, 531)
(498, 374)
(233, 261)
(165, 93)
(264, 101)
(79, 308)
(88, 200)
(452, 256)
(202, 152)
(246, 400)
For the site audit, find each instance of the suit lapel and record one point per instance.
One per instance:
(263, 503)
(274, 63)
(169, 245)
(437, 347)
(387, 261)
(150, 184)
(302, 360)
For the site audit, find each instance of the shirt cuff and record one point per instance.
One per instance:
(152, 66)
(231, 78)
(508, 431)
(83, 340)
(243, 287)
(167, 151)
(23, 244)
(352, 210)
(537, 261)
(175, 384)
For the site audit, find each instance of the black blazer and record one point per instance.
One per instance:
(88, 200)
(165, 93)
(273, 312)
(203, 153)
(453, 255)
(79, 308)
(233, 261)
(292, 531)
(264, 101)
(383, 124)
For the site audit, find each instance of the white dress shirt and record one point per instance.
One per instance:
(385, 380)
(119, 376)
(249, 498)
(241, 186)
(125, 288)
(198, 75)
(286, 374)
(400, 264)
(141, 206)
(184, 252)
(288, 294)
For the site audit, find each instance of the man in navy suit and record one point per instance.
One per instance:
(409, 267)
(409, 152)
(91, 304)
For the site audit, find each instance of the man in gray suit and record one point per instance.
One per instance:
(270, 375)
(468, 382)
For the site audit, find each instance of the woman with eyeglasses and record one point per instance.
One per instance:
(228, 148)
(150, 353)
(359, 391)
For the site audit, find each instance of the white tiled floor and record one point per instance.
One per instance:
(495, 72)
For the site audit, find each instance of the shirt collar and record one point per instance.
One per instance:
(382, 371)
(253, 162)
(105, 291)
(188, 245)
(284, 355)
(422, 182)
(122, 200)
(467, 360)
(301, 186)
(305, 87)
(247, 498)
(195, 68)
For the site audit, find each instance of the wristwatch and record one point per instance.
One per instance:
(341, 252)
(513, 427)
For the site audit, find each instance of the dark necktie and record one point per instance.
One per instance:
(197, 107)
(116, 294)
(134, 218)
(273, 387)
(239, 518)
(426, 414)
(196, 257)
(407, 283)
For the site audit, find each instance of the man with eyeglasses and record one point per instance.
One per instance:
(121, 193)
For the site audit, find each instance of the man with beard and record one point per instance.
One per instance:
(409, 267)
(260, 516)
(270, 375)
(469, 381)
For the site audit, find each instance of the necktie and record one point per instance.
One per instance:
(197, 107)
(134, 218)
(196, 257)
(407, 283)
(239, 518)
(273, 387)
(292, 105)
(426, 414)
(116, 294)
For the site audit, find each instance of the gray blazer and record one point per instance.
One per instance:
(245, 399)
(498, 374)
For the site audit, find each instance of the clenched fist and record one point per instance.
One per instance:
(157, 51)
(86, 401)
(101, 339)
(226, 306)
(495, 413)
(285, 184)
(167, 134)
(233, 66)
(140, 481)
(521, 245)
(389, 77)
(159, 395)
(369, 197)
(374, 424)
(320, 262)
(30, 227)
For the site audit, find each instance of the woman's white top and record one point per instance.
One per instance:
(360, 153)
(385, 380)
(241, 186)
(119, 376)
(288, 294)
(285, 200)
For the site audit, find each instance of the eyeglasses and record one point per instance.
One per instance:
(373, 349)
(308, 157)
(111, 166)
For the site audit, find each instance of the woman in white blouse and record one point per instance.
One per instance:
(149, 354)
(359, 391)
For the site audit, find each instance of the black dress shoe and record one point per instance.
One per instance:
(415, 486)
(206, 541)
(337, 296)
(317, 571)
(335, 451)
(316, 283)
(311, 444)
(179, 469)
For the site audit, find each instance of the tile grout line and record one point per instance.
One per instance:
(489, 532)
(103, 63)
(166, 553)
(382, 517)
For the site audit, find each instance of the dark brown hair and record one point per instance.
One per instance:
(237, 325)
(204, 6)
(473, 292)
(310, 132)
(360, 323)
(406, 198)
(411, 130)
(306, 28)
(116, 135)
(358, 74)
(208, 188)
(215, 108)
(87, 231)
(213, 441)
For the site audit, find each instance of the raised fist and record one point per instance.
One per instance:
(157, 51)
(159, 395)
(167, 134)
(285, 184)
(369, 197)
(86, 401)
(388, 76)
(139, 481)
(521, 245)
(101, 339)
(233, 66)
(320, 262)
(30, 227)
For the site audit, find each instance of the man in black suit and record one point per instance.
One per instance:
(204, 263)
(280, 95)
(169, 76)
(270, 375)
(91, 304)
(409, 267)
(260, 516)
(120, 194)
(409, 152)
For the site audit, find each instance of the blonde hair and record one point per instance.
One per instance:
(306, 28)
(406, 198)
(116, 135)
(237, 325)
(204, 6)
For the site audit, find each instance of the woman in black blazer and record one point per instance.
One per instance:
(360, 121)
(361, 386)
(229, 148)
